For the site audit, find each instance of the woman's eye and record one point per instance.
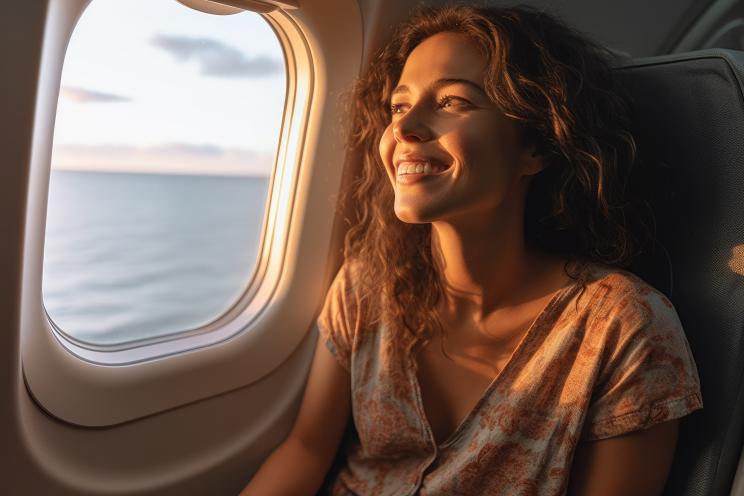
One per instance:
(450, 101)
(396, 108)
(447, 101)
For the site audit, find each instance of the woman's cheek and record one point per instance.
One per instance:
(386, 148)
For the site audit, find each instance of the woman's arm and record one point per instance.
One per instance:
(299, 465)
(293, 469)
(636, 463)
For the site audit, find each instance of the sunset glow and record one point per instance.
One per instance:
(173, 91)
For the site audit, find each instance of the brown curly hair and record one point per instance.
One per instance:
(558, 85)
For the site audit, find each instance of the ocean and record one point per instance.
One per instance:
(130, 256)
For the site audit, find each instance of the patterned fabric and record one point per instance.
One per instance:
(594, 364)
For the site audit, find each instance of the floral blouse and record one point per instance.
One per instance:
(594, 364)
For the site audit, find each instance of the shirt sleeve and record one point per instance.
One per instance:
(649, 375)
(338, 319)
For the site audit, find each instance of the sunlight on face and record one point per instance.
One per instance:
(449, 151)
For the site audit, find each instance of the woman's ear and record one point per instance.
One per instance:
(532, 157)
(533, 162)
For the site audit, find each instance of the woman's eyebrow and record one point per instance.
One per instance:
(440, 83)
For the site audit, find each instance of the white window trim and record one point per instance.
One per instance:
(91, 386)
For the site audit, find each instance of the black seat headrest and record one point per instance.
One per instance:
(688, 115)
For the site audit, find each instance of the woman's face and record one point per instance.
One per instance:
(469, 157)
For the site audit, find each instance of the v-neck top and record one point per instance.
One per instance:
(601, 359)
(526, 336)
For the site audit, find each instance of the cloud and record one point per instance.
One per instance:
(171, 158)
(82, 95)
(216, 58)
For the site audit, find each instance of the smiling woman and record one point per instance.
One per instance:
(484, 333)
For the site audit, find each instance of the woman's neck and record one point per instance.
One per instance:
(485, 266)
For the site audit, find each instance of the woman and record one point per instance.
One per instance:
(480, 326)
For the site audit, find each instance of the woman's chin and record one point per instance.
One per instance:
(409, 220)
(413, 215)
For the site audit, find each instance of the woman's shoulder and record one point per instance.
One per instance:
(348, 277)
(614, 292)
(646, 372)
(347, 289)
(616, 282)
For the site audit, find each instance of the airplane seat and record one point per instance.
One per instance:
(688, 120)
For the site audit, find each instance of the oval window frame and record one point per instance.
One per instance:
(105, 386)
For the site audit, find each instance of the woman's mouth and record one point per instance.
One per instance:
(412, 171)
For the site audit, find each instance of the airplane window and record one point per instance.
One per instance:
(167, 124)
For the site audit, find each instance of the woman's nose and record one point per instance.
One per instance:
(411, 127)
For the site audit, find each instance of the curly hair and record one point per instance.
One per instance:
(559, 87)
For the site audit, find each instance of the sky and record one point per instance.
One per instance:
(154, 86)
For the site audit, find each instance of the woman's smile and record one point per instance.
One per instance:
(411, 169)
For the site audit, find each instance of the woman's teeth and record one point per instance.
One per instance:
(418, 168)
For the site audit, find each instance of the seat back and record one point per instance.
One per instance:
(688, 116)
